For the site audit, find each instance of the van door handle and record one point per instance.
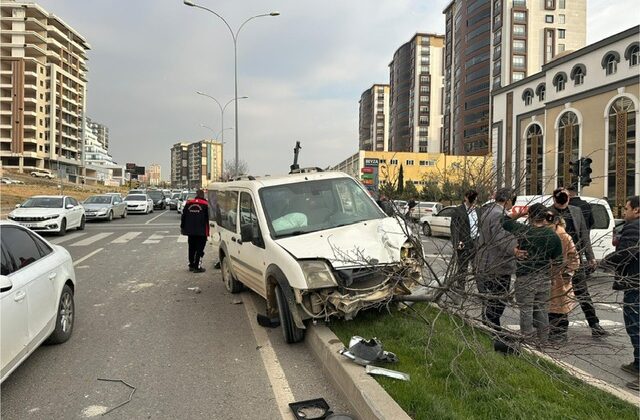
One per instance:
(20, 295)
(233, 239)
(52, 275)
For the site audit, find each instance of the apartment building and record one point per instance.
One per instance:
(374, 118)
(42, 90)
(415, 111)
(490, 44)
(204, 163)
(582, 104)
(179, 165)
(154, 174)
(101, 132)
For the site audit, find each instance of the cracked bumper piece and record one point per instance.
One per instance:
(349, 305)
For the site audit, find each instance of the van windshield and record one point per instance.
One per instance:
(310, 206)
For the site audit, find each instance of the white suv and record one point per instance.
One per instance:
(314, 245)
(42, 173)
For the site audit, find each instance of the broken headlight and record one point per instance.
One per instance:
(317, 274)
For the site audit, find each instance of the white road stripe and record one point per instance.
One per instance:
(603, 323)
(611, 307)
(66, 238)
(87, 256)
(125, 238)
(92, 239)
(182, 239)
(151, 220)
(154, 239)
(279, 384)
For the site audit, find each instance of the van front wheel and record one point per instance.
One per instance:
(292, 334)
(232, 285)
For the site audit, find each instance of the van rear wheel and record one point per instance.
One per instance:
(291, 333)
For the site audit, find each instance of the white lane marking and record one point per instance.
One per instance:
(182, 239)
(611, 307)
(603, 323)
(153, 239)
(125, 238)
(151, 220)
(278, 380)
(66, 238)
(87, 256)
(92, 239)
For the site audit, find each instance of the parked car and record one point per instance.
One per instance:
(41, 173)
(424, 208)
(5, 180)
(173, 201)
(105, 207)
(139, 203)
(296, 242)
(37, 287)
(137, 191)
(50, 213)
(158, 199)
(400, 206)
(438, 224)
(186, 197)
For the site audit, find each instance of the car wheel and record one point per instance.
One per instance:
(426, 229)
(230, 283)
(83, 220)
(64, 318)
(110, 216)
(63, 227)
(291, 333)
(124, 214)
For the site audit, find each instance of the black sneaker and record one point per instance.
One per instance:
(598, 331)
(630, 368)
(191, 268)
(199, 270)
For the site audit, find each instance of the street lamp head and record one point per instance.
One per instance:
(189, 3)
(243, 97)
(270, 14)
(199, 93)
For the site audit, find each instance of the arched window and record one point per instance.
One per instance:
(541, 90)
(610, 62)
(622, 151)
(577, 74)
(559, 81)
(568, 146)
(632, 53)
(527, 96)
(533, 171)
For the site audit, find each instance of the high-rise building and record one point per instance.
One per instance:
(374, 118)
(154, 174)
(179, 165)
(415, 112)
(490, 44)
(42, 90)
(101, 132)
(204, 163)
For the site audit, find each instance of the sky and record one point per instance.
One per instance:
(303, 71)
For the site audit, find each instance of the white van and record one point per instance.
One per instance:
(603, 222)
(314, 245)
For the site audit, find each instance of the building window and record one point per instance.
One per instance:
(548, 18)
(517, 75)
(561, 48)
(541, 91)
(519, 30)
(383, 161)
(519, 16)
(577, 74)
(409, 162)
(562, 33)
(393, 162)
(622, 150)
(519, 46)
(534, 153)
(550, 4)
(561, 18)
(424, 98)
(568, 146)
(561, 4)
(424, 88)
(612, 65)
(518, 61)
(527, 96)
(559, 81)
(633, 54)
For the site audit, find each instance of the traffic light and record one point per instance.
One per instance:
(585, 172)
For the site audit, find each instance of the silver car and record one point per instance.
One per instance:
(104, 207)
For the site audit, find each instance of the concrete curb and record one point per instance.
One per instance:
(366, 397)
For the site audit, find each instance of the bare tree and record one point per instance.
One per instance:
(229, 170)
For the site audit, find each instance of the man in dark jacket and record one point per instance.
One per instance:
(464, 233)
(195, 225)
(626, 261)
(575, 200)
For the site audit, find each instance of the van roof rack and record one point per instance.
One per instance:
(306, 170)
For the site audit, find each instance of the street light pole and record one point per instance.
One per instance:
(222, 109)
(234, 36)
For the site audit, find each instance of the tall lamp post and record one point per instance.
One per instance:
(222, 109)
(234, 36)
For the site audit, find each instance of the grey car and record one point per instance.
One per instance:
(104, 207)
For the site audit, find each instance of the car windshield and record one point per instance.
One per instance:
(98, 199)
(156, 195)
(175, 195)
(136, 197)
(294, 209)
(43, 202)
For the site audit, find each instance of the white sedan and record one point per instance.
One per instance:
(438, 224)
(37, 285)
(139, 203)
(50, 213)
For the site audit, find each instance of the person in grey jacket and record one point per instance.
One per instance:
(579, 231)
(496, 255)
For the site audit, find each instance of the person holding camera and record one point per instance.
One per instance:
(533, 274)
(577, 228)
(626, 262)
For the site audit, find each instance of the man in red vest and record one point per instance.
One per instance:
(195, 225)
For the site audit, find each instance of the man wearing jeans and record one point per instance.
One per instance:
(626, 261)
(464, 233)
(195, 224)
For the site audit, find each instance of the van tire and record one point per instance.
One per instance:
(291, 333)
(231, 284)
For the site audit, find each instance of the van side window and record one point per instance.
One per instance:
(226, 209)
(600, 216)
(248, 216)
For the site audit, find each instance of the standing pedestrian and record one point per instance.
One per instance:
(195, 225)
(577, 228)
(575, 200)
(464, 233)
(562, 299)
(626, 261)
(496, 255)
(533, 274)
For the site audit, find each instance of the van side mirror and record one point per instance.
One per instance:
(5, 284)
(18, 205)
(70, 206)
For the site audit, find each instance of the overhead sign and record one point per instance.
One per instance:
(369, 175)
(371, 162)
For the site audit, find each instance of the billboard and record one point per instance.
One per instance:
(369, 175)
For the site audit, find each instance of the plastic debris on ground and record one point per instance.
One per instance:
(365, 352)
(375, 370)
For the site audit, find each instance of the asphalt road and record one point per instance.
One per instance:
(190, 355)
